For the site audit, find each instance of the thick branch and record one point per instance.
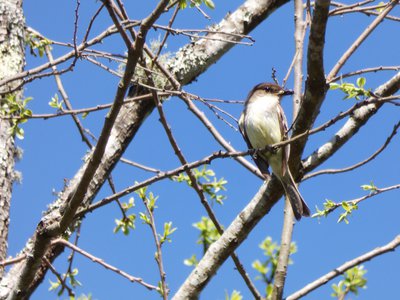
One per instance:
(12, 60)
(316, 87)
(359, 117)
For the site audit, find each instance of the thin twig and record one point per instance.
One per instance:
(288, 216)
(140, 166)
(391, 246)
(363, 71)
(91, 22)
(65, 97)
(341, 8)
(104, 264)
(164, 40)
(78, 3)
(61, 280)
(158, 255)
(11, 261)
(356, 201)
(199, 190)
(359, 164)
(160, 176)
(363, 36)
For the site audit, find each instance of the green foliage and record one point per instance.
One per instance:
(168, 230)
(208, 233)
(55, 103)
(192, 261)
(83, 297)
(267, 268)
(150, 201)
(348, 207)
(127, 222)
(211, 186)
(369, 187)
(358, 92)
(234, 296)
(353, 280)
(35, 42)
(72, 281)
(16, 109)
(328, 207)
(184, 3)
(160, 289)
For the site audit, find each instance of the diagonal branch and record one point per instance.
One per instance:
(391, 246)
(359, 117)
(359, 164)
(363, 36)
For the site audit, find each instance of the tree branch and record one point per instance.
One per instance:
(391, 246)
(363, 36)
(359, 117)
(315, 86)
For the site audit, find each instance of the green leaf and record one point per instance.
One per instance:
(19, 132)
(192, 261)
(145, 218)
(361, 81)
(209, 4)
(334, 86)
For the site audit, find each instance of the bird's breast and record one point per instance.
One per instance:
(262, 123)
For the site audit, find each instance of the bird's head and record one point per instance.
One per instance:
(266, 88)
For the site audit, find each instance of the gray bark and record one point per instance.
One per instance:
(11, 62)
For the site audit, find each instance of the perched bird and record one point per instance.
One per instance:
(263, 123)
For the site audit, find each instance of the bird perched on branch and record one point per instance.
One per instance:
(263, 123)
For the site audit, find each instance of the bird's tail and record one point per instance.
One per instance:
(299, 206)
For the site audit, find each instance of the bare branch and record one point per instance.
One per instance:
(363, 71)
(391, 246)
(363, 36)
(288, 217)
(359, 164)
(104, 264)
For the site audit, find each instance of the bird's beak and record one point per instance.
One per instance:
(286, 92)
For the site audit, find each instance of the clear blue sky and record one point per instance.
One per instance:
(53, 151)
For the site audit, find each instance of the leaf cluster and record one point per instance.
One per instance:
(353, 281)
(73, 282)
(211, 186)
(352, 91)
(12, 106)
(36, 43)
(184, 3)
(127, 222)
(267, 268)
(208, 235)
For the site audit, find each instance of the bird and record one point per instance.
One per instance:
(263, 123)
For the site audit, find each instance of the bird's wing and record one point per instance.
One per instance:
(284, 129)
(261, 163)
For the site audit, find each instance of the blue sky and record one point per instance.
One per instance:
(53, 151)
